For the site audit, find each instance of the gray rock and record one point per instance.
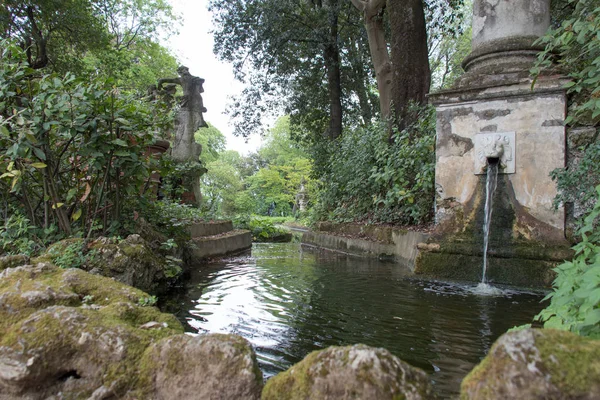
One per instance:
(537, 364)
(352, 372)
(210, 367)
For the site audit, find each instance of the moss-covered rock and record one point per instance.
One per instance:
(537, 364)
(213, 366)
(13, 261)
(67, 332)
(352, 372)
(131, 261)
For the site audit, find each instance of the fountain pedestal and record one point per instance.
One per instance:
(495, 96)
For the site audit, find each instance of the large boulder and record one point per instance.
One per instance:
(131, 261)
(70, 334)
(211, 367)
(352, 372)
(537, 364)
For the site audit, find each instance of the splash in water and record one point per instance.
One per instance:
(490, 188)
(483, 289)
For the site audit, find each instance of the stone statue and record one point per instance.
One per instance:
(189, 120)
(301, 200)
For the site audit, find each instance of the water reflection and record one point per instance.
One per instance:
(288, 301)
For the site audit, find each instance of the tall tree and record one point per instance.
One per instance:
(297, 54)
(405, 75)
(48, 29)
(111, 37)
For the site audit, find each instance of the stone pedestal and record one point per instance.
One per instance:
(494, 103)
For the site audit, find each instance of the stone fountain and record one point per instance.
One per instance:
(494, 112)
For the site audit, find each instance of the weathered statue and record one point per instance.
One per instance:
(190, 119)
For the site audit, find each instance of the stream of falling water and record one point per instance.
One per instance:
(490, 188)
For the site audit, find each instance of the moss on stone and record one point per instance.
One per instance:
(293, 383)
(578, 366)
(44, 317)
(349, 372)
(12, 261)
(555, 364)
(521, 272)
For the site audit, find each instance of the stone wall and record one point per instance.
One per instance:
(381, 242)
(536, 119)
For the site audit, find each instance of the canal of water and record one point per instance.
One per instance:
(289, 300)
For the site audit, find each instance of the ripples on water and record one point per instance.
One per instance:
(288, 301)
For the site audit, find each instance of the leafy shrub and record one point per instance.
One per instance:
(574, 45)
(576, 183)
(575, 301)
(363, 177)
(262, 228)
(16, 236)
(170, 217)
(147, 301)
(71, 151)
(71, 255)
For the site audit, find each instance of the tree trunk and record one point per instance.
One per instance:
(373, 18)
(331, 58)
(410, 62)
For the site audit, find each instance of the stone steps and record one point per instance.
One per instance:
(200, 229)
(217, 239)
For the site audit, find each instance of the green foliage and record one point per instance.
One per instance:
(108, 38)
(575, 46)
(221, 187)
(16, 235)
(170, 244)
(73, 255)
(576, 183)
(147, 301)
(279, 51)
(72, 151)
(173, 267)
(213, 142)
(264, 183)
(262, 228)
(362, 177)
(575, 301)
(171, 217)
(176, 176)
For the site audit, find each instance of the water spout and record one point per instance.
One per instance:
(490, 188)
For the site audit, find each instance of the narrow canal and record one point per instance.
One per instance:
(289, 300)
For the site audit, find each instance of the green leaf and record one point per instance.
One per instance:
(39, 153)
(76, 215)
(120, 142)
(39, 165)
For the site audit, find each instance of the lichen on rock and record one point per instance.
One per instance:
(537, 364)
(352, 372)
